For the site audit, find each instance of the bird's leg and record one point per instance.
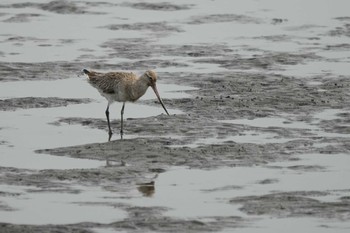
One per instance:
(121, 121)
(109, 124)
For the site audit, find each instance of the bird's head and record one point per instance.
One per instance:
(151, 77)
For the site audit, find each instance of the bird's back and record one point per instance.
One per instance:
(109, 82)
(111, 85)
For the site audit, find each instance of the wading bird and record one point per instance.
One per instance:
(122, 87)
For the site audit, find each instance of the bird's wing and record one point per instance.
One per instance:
(107, 82)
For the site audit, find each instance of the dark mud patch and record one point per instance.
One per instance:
(307, 168)
(267, 61)
(139, 48)
(343, 18)
(224, 188)
(276, 38)
(23, 71)
(18, 71)
(20, 40)
(38, 179)
(222, 18)
(153, 154)
(160, 6)
(3, 142)
(14, 228)
(294, 204)
(343, 30)
(151, 63)
(304, 27)
(340, 125)
(21, 18)
(338, 47)
(268, 181)
(6, 194)
(276, 21)
(4, 207)
(56, 180)
(155, 27)
(167, 224)
(142, 219)
(38, 102)
(60, 7)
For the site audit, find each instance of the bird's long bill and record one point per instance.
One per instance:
(154, 87)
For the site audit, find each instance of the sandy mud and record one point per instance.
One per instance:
(259, 120)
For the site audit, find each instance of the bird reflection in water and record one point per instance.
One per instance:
(147, 189)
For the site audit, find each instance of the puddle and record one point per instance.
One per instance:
(39, 208)
(23, 158)
(335, 167)
(29, 130)
(329, 114)
(188, 199)
(60, 43)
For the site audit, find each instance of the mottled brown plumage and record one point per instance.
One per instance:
(122, 87)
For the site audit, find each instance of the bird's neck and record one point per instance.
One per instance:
(139, 87)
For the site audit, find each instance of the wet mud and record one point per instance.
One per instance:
(157, 27)
(60, 7)
(268, 61)
(159, 6)
(20, 71)
(143, 218)
(38, 102)
(220, 18)
(298, 204)
(207, 135)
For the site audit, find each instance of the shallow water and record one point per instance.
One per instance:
(37, 207)
(205, 193)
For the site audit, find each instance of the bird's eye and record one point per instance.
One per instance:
(149, 77)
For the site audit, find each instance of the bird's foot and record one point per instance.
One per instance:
(110, 135)
(121, 134)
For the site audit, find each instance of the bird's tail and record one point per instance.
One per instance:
(86, 71)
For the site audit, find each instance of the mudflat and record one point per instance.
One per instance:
(258, 134)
